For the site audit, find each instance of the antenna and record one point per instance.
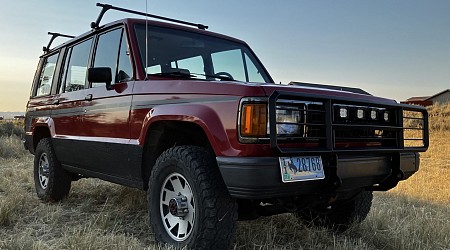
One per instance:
(146, 38)
(54, 36)
(106, 7)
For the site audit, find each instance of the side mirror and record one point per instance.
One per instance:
(100, 74)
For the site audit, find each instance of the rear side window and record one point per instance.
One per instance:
(75, 67)
(44, 84)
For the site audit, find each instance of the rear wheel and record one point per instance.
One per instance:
(189, 205)
(341, 215)
(51, 181)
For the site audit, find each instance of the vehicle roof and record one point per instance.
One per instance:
(132, 21)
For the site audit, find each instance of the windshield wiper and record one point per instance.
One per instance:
(183, 74)
(221, 77)
(175, 74)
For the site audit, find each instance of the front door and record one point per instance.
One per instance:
(106, 112)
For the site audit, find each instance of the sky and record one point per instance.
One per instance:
(390, 48)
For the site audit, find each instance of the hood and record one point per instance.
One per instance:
(270, 88)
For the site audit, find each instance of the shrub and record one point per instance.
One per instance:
(11, 128)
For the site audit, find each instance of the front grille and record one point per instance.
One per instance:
(302, 122)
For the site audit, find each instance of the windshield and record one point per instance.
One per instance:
(191, 55)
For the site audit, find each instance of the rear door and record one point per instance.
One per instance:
(67, 113)
(106, 112)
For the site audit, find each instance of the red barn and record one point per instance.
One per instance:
(419, 100)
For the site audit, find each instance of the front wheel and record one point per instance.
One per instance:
(189, 205)
(341, 215)
(51, 181)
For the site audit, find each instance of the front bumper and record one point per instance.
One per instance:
(260, 177)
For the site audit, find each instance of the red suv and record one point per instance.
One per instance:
(195, 119)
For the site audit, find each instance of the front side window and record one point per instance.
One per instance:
(74, 76)
(44, 84)
(107, 52)
(112, 52)
(191, 55)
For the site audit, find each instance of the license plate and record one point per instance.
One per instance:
(303, 168)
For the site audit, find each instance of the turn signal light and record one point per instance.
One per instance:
(254, 120)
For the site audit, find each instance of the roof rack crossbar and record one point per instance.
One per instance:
(54, 36)
(106, 7)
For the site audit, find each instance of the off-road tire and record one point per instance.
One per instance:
(340, 215)
(58, 183)
(215, 210)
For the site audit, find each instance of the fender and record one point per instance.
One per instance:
(202, 115)
(38, 124)
(44, 121)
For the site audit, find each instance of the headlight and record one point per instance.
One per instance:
(288, 119)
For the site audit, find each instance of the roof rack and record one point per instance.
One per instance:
(106, 7)
(54, 36)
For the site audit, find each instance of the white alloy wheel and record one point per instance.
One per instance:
(43, 170)
(177, 207)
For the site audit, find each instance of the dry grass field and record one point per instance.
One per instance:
(100, 215)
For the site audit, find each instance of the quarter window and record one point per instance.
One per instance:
(125, 71)
(44, 85)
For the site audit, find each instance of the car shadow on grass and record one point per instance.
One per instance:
(394, 222)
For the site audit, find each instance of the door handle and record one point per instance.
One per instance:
(55, 102)
(88, 97)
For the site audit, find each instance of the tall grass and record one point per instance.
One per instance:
(439, 117)
(11, 147)
(11, 134)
